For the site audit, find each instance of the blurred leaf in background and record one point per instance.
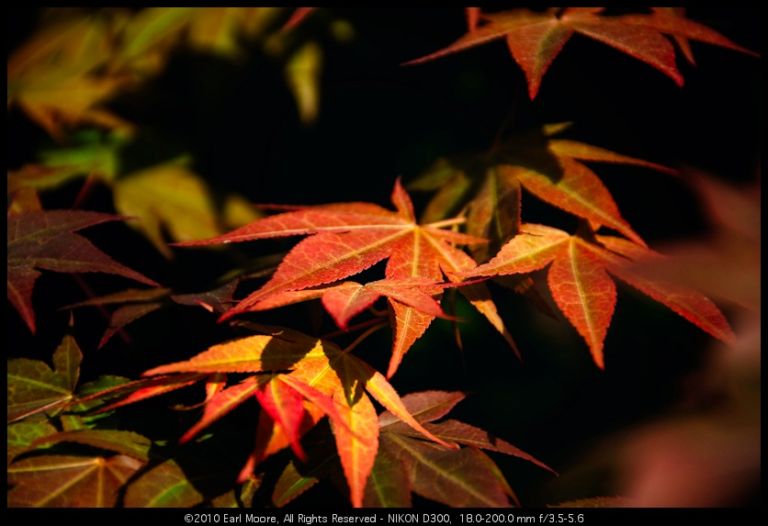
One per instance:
(708, 453)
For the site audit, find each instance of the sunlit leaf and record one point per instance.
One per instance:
(581, 287)
(346, 239)
(535, 39)
(552, 169)
(222, 403)
(321, 373)
(285, 406)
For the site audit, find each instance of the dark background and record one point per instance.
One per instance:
(379, 120)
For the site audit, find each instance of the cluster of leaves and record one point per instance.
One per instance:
(61, 455)
(46, 408)
(64, 448)
(66, 73)
(349, 238)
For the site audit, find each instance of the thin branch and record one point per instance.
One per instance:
(102, 310)
(85, 191)
(353, 328)
(363, 336)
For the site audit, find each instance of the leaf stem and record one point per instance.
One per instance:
(363, 336)
(357, 327)
(102, 310)
(84, 192)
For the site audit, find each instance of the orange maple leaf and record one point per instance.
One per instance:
(582, 287)
(536, 38)
(346, 239)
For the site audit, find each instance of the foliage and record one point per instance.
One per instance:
(313, 407)
(535, 39)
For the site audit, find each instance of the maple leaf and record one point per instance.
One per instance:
(582, 287)
(69, 481)
(536, 38)
(47, 240)
(346, 239)
(490, 186)
(33, 387)
(323, 380)
(464, 477)
(36, 390)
